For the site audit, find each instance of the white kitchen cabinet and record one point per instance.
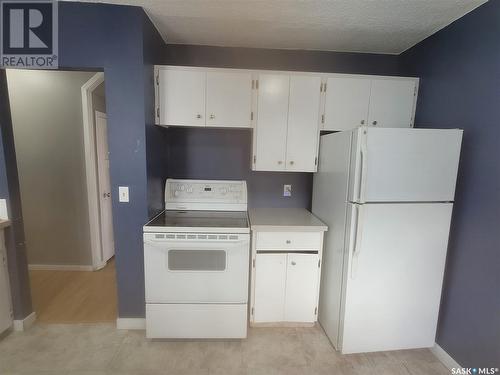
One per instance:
(301, 287)
(270, 287)
(286, 287)
(287, 246)
(181, 97)
(272, 120)
(5, 301)
(303, 123)
(392, 103)
(286, 134)
(346, 103)
(229, 99)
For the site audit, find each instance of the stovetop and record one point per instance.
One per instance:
(199, 221)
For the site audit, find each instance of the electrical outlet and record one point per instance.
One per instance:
(287, 190)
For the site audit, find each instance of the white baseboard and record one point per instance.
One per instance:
(131, 323)
(24, 324)
(59, 267)
(444, 357)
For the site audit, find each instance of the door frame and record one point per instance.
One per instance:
(89, 145)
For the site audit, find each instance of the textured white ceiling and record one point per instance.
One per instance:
(381, 26)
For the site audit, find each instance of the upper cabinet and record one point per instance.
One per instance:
(271, 125)
(303, 123)
(286, 132)
(286, 110)
(192, 97)
(346, 102)
(229, 99)
(392, 103)
(352, 101)
(181, 97)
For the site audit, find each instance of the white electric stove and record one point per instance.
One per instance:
(196, 261)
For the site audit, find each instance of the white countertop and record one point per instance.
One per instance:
(284, 219)
(4, 223)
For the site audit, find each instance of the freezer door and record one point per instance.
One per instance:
(394, 272)
(404, 165)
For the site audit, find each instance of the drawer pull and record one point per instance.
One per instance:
(288, 242)
(293, 263)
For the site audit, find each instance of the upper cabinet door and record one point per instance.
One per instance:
(229, 99)
(392, 103)
(303, 123)
(346, 103)
(182, 97)
(271, 127)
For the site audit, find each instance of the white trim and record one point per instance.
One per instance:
(131, 323)
(24, 324)
(91, 168)
(60, 267)
(444, 357)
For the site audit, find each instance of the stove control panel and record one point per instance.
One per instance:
(205, 195)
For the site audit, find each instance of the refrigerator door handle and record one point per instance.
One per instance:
(356, 239)
(362, 168)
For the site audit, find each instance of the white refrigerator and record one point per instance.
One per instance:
(386, 195)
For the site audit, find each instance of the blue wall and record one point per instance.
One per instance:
(120, 40)
(9, 189)
(459, 69)
(225, 154)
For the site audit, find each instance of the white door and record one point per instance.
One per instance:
(406, 165)
(301, 288)
(229, 99)
(303, 124)
(346, 103)
(394, 275)
(107, 236)
(5, 301)
(182, 97)
(270, 282)
(391, 103)
(271, 126)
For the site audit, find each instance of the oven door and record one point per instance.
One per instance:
(196, 268)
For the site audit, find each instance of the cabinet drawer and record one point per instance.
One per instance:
(290, 241)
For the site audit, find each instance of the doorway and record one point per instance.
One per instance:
(60, 135)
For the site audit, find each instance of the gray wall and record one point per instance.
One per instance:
(46, 109)
(459, 69)
(225, 154)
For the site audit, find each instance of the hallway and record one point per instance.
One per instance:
(75, 296)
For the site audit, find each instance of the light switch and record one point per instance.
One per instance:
(287, 190)
(123, 193)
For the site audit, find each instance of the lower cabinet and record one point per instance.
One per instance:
(286, 287)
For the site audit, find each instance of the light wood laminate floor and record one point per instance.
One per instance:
(75, 296)
(101, 349)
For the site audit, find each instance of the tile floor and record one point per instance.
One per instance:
(100, 349)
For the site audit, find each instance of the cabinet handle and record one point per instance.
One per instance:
(288, 242)
(291, 163)
(374, 122)
(293, 263)
(362, 122)
(198, 116)
(280, 162)
(212, 116)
